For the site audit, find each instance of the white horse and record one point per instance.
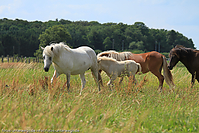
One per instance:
(70, 62)
(114, 68)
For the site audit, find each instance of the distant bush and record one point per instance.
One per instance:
(166, 54)
(98, 51)
(135, 51)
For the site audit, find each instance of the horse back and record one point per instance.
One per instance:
(148, 60)
(91, 53)
(88, 50)
(155, 55)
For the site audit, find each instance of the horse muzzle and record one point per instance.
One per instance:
(46, 69)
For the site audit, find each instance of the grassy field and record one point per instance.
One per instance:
(28, 102)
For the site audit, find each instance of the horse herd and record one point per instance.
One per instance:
(68, 61)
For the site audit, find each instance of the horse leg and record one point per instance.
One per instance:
(97, 77)
(160, 78)
(68, 81)
(110, 83)
(83, 80)
(121, 79)
(155, 66)
(100, 78)
(197, 76)
(193, 79)
(55, 75)
(133, 78)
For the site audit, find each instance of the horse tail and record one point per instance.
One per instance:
(100, 77)
(167, 74)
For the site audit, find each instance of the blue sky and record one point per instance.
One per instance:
(179, 15)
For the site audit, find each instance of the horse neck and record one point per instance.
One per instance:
(186, 59)
(57, 59)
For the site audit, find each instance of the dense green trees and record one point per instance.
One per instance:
(19, 36)
(56, 33)
(24, 38)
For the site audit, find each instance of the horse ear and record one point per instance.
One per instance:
(51, 48)
(42, 48)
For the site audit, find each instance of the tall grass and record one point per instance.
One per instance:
(28, 101)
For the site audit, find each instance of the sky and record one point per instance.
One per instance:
(179, 15)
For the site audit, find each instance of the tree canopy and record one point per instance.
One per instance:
(54, 34)
(25, 38)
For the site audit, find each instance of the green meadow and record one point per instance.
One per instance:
(29, 103)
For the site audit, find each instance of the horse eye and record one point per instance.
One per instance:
(50, 58)
(43, 57)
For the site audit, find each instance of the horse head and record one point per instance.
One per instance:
(48, 54)
(174, 58)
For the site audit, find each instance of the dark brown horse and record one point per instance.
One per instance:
(189, 57)
(151, 61)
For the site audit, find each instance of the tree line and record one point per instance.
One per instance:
(20, 37)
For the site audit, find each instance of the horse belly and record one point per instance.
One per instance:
(121, 72)
(81, 67)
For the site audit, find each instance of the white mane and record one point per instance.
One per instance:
(107, 59)
(116, 55)
(57, 47)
